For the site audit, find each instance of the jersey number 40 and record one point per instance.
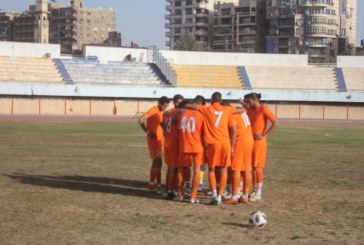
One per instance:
(188, 124)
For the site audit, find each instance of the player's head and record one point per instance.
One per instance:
(216, 97)
(177, 99)
(199, 100)
(163, 103)
(252, 100)
(183, 103)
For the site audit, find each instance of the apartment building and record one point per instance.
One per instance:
(240, 28)
(72, 27)
(7, 26)
(75, 26)
(195, 16)
(311, 27)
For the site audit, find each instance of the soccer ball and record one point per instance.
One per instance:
(258, 219)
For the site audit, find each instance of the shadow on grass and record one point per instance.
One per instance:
(88, 184)
(237, 224)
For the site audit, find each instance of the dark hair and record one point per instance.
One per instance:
(163, 100)
(216, 97)
(199, 99)
(183, 103)
(224, 103)
(254, 96)
(177, 97)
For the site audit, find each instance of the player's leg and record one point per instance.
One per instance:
(224, 163)
(223, 181)
(188, 181)
(180, 182)
(157, 168)
(259, 169)
(213, 152)
(195, 183)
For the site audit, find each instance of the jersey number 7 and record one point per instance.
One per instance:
(218, 119)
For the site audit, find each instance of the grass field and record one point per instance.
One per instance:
(85, 183)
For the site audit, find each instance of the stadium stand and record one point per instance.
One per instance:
(354, 78)
(204, 76)
(82, 71)
(292, 78)
(25, 69)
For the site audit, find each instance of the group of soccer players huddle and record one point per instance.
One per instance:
(230, 141)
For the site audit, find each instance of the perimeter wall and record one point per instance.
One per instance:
(134, 108)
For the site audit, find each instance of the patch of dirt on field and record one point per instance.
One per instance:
(62, 187)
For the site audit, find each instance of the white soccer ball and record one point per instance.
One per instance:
(258, 219)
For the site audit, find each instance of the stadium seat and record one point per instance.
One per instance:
(25, 69)
(354, 78)
(84, 71)
(292, 78)
(208, 76)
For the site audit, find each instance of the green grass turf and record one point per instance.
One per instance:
(84, 183)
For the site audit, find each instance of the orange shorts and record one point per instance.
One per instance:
(191, 159)
(171, 157)
(219, 155)
(259, 153)
(242, 160)
(155, 148)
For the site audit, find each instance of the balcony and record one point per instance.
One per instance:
(202, 15)
(202, 24)
(168, 8)
(315, 3)
(201, 33)
(172, 16)
(200, 5)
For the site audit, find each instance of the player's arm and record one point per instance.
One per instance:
(192, 106)
(143, 124)
(233, 135)
(274, 124)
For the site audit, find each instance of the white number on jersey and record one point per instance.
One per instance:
(169, 125)
(188, 125)
(246, 119)
(219, 115)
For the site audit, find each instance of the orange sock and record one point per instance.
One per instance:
(247, 182)
(223, 180)
(180, 181)
(255, 179)
(260, 175)
(212, 179)
(195, 182)
(235, 182)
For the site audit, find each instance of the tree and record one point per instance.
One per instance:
(188, 43)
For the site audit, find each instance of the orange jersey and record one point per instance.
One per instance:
(259, 119)
(216, 121)
(190, 131)
(155, 117)
(243, 127)
(171, 131)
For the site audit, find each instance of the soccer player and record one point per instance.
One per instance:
(217, 138)
(171, 150)
(190, 125)
(200, 100)
(259, 116)
(241, 165)
(150, 122)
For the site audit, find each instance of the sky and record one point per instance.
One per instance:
(142, 21)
